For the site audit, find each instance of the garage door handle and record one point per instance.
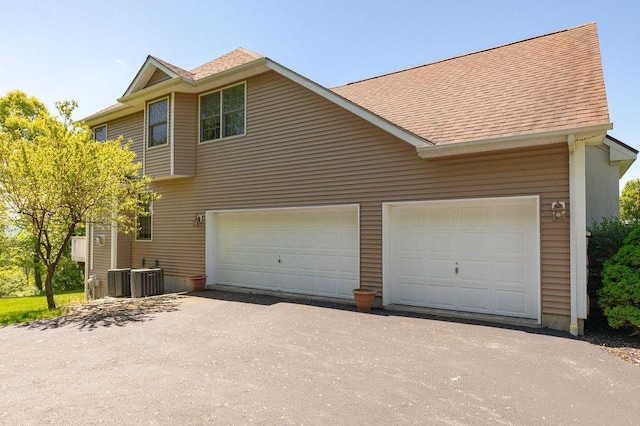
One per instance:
(456, 269)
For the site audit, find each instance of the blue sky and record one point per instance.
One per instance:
(91, 50)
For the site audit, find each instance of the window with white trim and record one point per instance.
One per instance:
(222, 113)
(100, 133)
(157, 119)
(144, 223)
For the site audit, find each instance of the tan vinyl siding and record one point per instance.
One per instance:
(185, 134)
(130, 127)
(301, 150)
(124, 251)
(157, 77)
(101, 258)
(158, 161)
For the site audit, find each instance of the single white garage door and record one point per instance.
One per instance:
(308, 250)
(468, 255)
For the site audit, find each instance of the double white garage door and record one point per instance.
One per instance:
(308, 250)
(476, 255)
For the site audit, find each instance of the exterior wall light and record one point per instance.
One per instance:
(198, 220)
(558, 211)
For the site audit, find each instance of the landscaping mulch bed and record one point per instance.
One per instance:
(620, 343)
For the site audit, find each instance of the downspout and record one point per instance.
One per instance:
(114, 241)
(87, 241)
(578, 226)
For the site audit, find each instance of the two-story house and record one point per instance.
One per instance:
(461, 185)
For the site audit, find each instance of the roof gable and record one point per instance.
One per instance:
(154, 71)
(542, 84)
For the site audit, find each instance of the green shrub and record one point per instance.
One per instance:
(607, 237)
(13, 283)
(619, 296)
(68, 276)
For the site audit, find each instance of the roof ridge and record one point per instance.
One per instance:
(467, 54)
(178, 70)
(253, 55)
(249, 52)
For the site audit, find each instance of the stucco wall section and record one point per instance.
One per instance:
(602, 185)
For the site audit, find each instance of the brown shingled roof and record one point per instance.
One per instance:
(240, 56)
(175, 69)
(546, 83)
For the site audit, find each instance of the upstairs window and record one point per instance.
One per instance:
(100, 133)
(222, 113)
(144, 223)
(157, 118)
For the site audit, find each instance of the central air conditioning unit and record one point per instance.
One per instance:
(119, 282)
(147, 282)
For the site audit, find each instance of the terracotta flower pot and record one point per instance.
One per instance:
(198, 282)
(364, 299)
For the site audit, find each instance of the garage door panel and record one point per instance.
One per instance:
(440, 242)
(510, 272)
(474, 217)
(513, 243)
(494, 244)
(327, 240)
(475, 299)
(474, 270)
(411, 267)
(310, 251)
(440, 296)
(411, 293)
(348, 266)
(476, 242)
(439, 268)
(438, 217)
(511, 302)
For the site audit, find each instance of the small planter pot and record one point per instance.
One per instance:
(198, 282)
(364, 299)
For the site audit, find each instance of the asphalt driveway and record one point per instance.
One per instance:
(235, 359)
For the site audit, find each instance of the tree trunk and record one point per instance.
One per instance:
(48, 287)
(37, 270)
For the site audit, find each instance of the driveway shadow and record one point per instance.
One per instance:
(243, 296)
(109, 312)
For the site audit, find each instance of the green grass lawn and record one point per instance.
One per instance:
(22, 309)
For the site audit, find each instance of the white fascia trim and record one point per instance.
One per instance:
(349, 106)
(142, 96)
(623, 155)
(510, 142)
(145, 73)
(170, 122)
(111, 114)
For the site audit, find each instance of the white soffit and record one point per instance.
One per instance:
(621, 153)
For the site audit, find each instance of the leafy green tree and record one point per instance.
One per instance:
(54, 177)
(630, 201)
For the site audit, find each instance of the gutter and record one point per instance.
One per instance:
(512, 142)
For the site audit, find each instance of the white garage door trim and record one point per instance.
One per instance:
(386, 240)
(210, 239)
